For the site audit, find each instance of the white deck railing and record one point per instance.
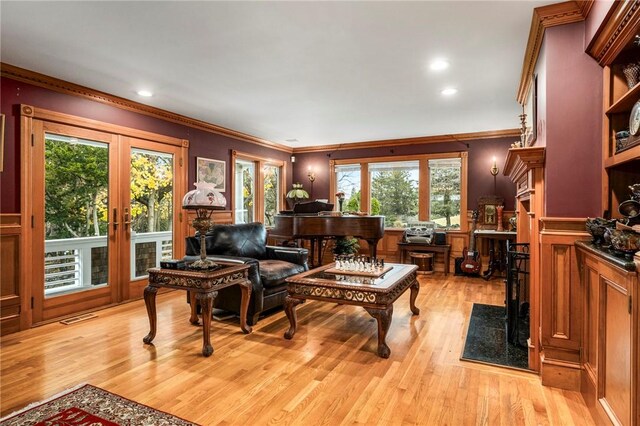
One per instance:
(68, 261)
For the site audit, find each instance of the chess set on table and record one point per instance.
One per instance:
(359, 265)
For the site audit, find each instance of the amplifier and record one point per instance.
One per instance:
(440, 238)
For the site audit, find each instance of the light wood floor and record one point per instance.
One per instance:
(328, 374)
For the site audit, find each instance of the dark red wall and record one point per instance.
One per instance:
(202, 143)
(480, 152)
(573, 125)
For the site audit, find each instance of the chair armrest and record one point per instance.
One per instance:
(295, 255)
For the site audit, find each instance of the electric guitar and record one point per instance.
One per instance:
(471, 262)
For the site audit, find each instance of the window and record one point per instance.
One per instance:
(348, 181)
(272, 191)
(407, 189)
(444, 191)
(245, 173)
(257, 188)
(394, 192)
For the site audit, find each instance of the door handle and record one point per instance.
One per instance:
(126, 220)
(115, 219)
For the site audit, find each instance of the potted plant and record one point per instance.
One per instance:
(345, 246)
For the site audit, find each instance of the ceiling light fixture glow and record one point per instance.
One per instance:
(439, 65)
(449, 91)
(145, 93)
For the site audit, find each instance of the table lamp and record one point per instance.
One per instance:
(204, 200)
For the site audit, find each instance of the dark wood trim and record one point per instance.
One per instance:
(572, 225)
(61, 86)
(585, 7)
(458, 137)
(520, 160)
(616, 31)
(544, 17)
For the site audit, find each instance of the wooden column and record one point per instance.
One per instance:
(525, 167)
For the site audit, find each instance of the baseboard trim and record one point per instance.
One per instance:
(560, 374)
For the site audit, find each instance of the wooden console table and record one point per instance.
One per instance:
(445, 249)
(497, 255)
(202, 287)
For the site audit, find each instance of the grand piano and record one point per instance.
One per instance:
(307, 222)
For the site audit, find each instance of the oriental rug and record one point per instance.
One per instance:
(487, 341)
(87, 405)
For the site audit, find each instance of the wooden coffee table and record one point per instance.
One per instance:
(375, 295)
(202, 287)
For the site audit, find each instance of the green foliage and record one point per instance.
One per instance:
(247, 194)
(445, 184)
(353, 203)
(344, 246)
(396, 194)
(76, 190)
(375, 206)
(151, 192)
(270, 194)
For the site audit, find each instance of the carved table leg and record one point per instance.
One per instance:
(245, 288)
(194, 308)
(150, 302)
(206, 302)
(415, 288)
(383, 316)
(290, 309)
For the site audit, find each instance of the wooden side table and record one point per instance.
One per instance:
(445, 249)
(202, 287)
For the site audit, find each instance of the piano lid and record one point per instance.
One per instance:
(309, 207)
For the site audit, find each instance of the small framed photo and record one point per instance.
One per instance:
(211, 171)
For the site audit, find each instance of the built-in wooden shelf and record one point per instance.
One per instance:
(630, 154)
(626, 101)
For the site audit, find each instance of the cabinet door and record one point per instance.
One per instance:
(615, 360)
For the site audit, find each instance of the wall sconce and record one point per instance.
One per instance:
(311, 175)
(494, 169)
(293, 158)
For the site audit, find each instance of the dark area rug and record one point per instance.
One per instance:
(487, 339)
(90, 405)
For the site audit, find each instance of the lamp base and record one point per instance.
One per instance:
(204, 265)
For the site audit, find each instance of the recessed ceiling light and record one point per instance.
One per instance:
(449, 91)
(145, 93)
(292, 140)
(439, 65)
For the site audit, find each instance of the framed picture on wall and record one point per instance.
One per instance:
(487, 206)
(211, 171)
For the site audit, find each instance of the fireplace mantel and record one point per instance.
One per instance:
(521, 160)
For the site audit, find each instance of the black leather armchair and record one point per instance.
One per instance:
(270, 265)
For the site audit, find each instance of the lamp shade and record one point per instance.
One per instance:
(205, 196)
(297, 193)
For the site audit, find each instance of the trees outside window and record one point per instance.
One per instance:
(444, 193)
(394, 187)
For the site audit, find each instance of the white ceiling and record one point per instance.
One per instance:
(318, 72)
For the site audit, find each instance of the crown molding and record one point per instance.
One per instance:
(62, 86)
(585, 7)
(615, 32)
(543, 18)
(458, 137)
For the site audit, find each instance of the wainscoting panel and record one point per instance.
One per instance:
(561, 302)
(10, 234)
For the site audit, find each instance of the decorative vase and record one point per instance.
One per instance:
(499, 210)
(340, 202)
(632, 73)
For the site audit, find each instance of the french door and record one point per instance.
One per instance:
(105, 209)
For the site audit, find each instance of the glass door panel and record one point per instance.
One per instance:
(271, 193)
(245, 176)
(152, 205)
(76, 194)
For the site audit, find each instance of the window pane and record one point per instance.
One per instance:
(244, 191)
(444, 193)
(271, 193)
(348, 182)
(151, 210)
(394, 192)
(76, 214)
